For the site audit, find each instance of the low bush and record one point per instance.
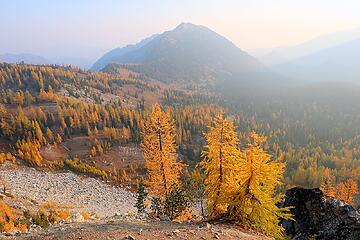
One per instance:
(81, 167)
(7, 220)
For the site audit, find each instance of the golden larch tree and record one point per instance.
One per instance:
(257, 179)
(346, 191)
(158, 145)
(220, 157)
(327, 186)
(50, 135)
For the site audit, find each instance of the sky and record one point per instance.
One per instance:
(85, 29)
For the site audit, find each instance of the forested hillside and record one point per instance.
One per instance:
(123, 120)
(64, 117)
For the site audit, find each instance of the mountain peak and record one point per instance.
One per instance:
(187, 53)
(190, 27)
(184, 25)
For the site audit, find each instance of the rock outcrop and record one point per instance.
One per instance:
(319, 217)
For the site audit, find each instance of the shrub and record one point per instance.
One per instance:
(81, 167)
(49, 213)
(7, 156)
(26, 219)
(55, 212)
(157, 206)
(58, 165)
(41, 219)
(86, 215)
(6, 217)
(176, 202)
(187, 214)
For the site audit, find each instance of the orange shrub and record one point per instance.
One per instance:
(85, 215)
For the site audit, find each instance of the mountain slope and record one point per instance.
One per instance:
(116, 54)
(339, 63)
(26, 58)
(187, 53)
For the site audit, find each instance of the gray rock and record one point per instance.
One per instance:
(320, 217)
(164, 217)
(77, 217)
(129, 237)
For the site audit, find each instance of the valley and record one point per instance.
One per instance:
(78, 143)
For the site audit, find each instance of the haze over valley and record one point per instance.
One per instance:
(191, 120)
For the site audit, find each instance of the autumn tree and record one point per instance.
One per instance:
(58, 138)
(220, 156)
(256, 179)
(50, 135)
(327, 186)
(6, 217)
(158, 145)
(346, 191)
(176, 202)
(29, 150)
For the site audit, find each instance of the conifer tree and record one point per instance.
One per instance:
(327, 187)
(219, 159)
(257, 178)
(346, 191)
(158, 145)
(58, 138)
(176, 201)
(141, 196)
(195, 187)
(49, 135)
(38, 131)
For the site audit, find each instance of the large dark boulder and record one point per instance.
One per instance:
(320, 217)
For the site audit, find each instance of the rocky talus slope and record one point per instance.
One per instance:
(80, 193)
(118, 220)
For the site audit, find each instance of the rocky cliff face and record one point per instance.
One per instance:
(320, 217)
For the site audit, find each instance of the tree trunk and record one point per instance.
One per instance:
(162, 163)
(220, 168)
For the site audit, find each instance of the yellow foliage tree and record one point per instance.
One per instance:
(50, 135)
(8, 222)
(220, 157)
(6, 217)
(327, 187)
(158, 145)
(258, 176)
(29, 150)
(58, 139)
(346, 191)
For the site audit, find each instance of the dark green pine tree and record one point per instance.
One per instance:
(176, 202)
(141, 196)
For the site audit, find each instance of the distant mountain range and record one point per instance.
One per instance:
(26, 58)
(331, 58)
(338, 63)
(84, 63)
(197, 55)
(279, 55)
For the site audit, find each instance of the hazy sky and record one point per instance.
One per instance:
(87, 28)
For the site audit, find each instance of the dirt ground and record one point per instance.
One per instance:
(135, 229)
